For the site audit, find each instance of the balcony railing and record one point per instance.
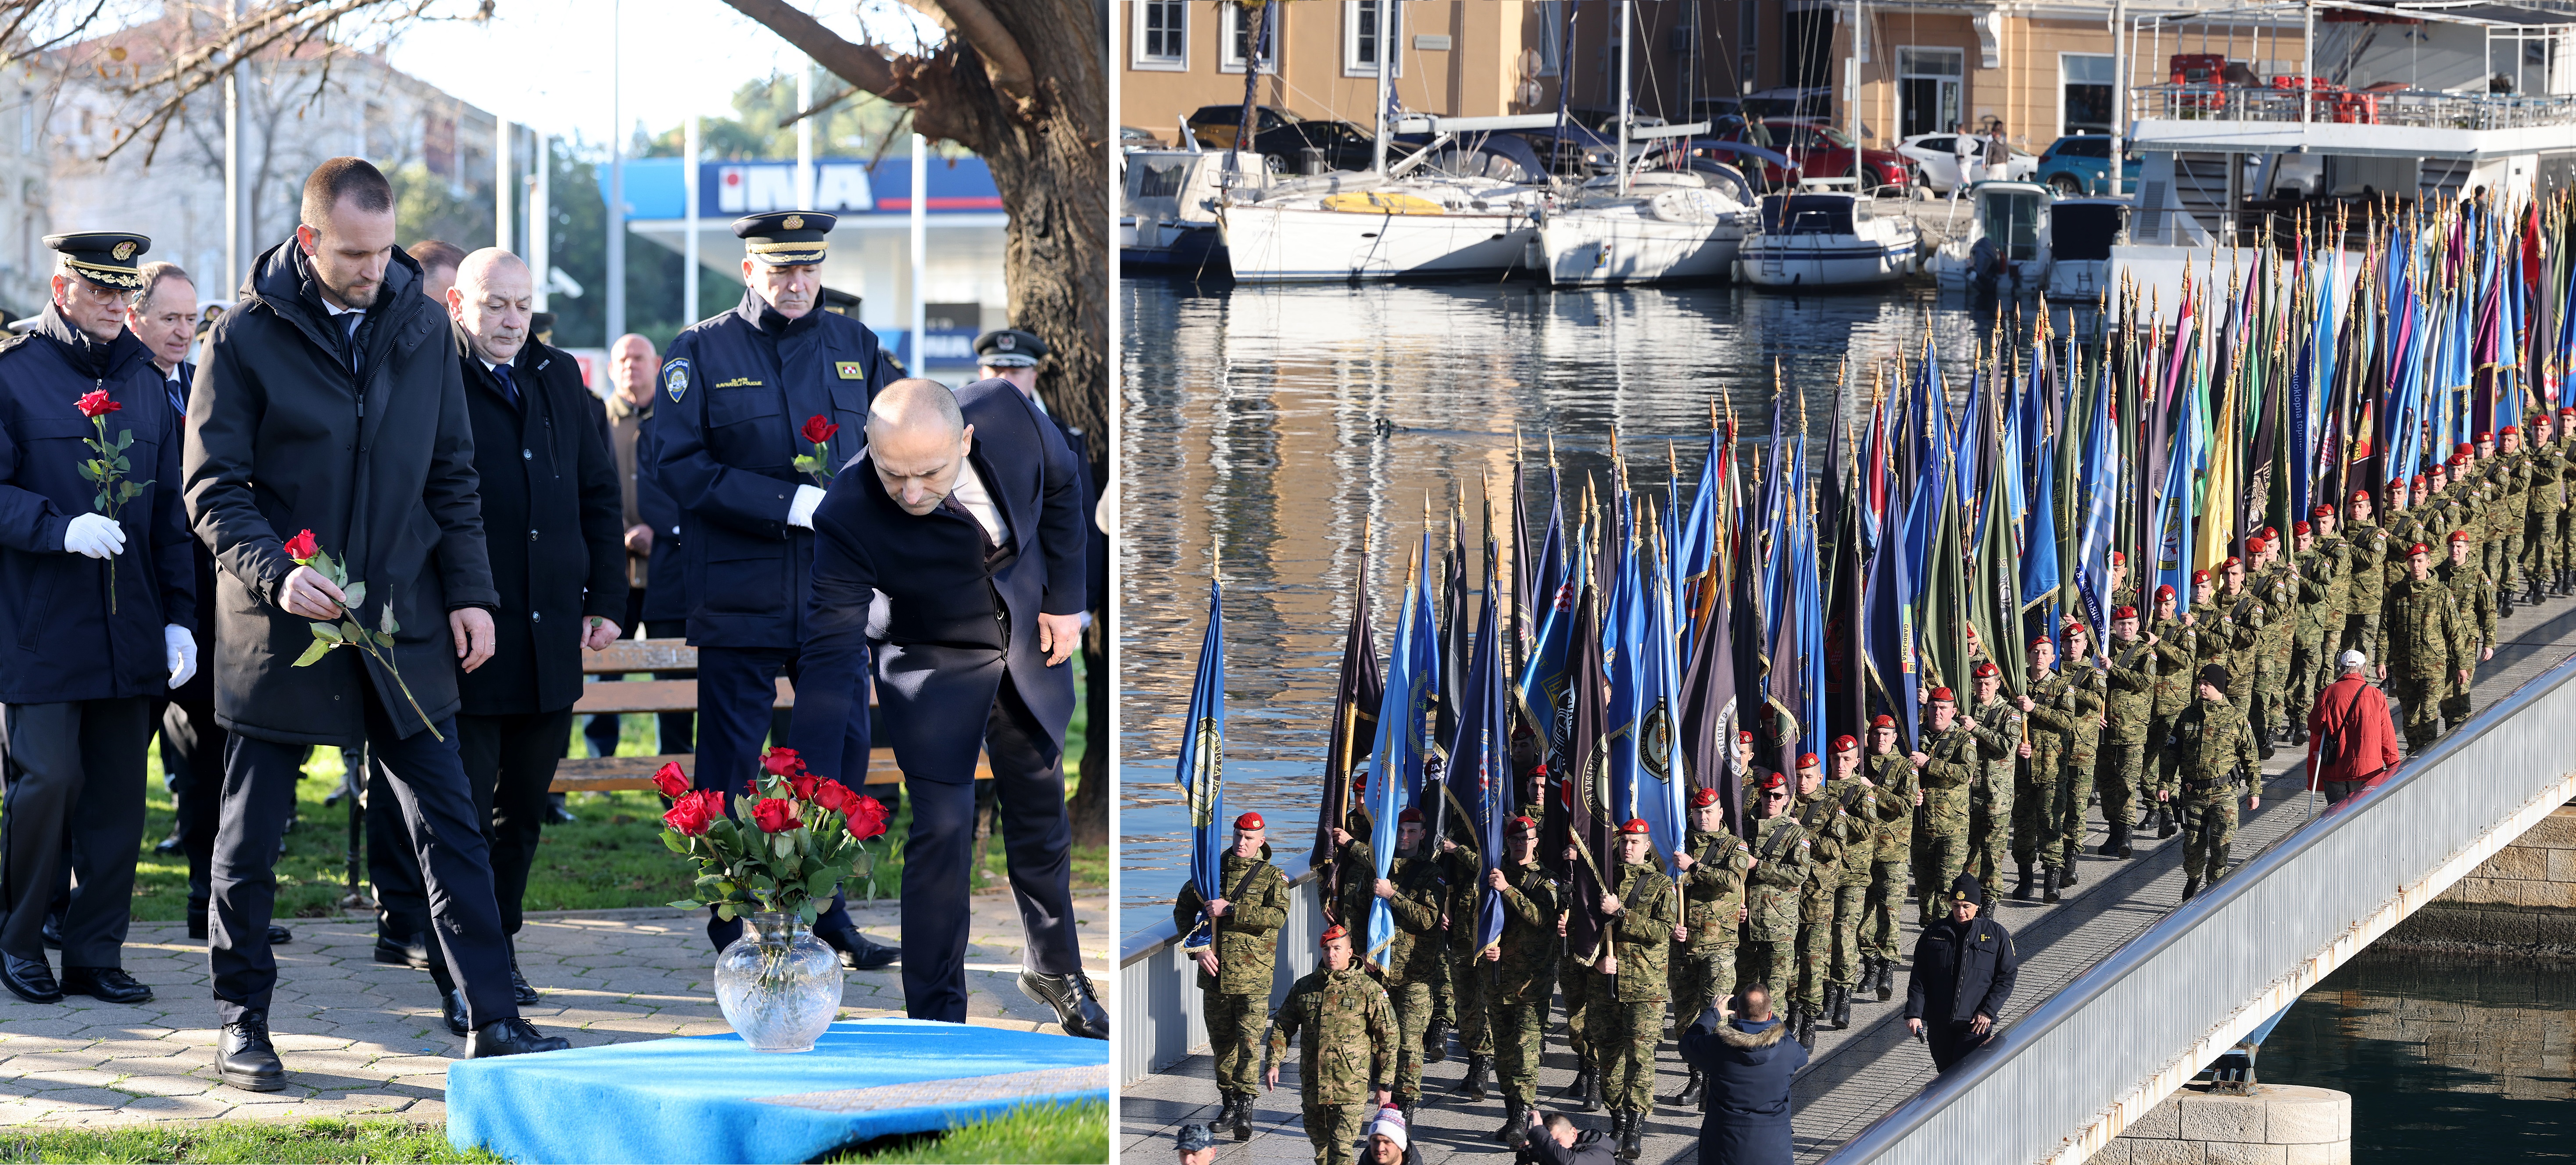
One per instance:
(2431, 109)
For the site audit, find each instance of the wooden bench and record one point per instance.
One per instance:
(651, 697)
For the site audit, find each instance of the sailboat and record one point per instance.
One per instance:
(1663, 227)
(1827, 238)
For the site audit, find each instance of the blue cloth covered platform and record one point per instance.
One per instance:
(711, 1098)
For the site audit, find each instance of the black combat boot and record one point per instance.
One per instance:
(2190, 886)
(1224, 1111)
(1410, 1104)
(1473, 1087)
(1690, 1088)
(2021, 888)
(1842, 1009)
(1435, 1042)
(1515, 1123)
(1591, 1092)
(1243, 1117)
(2165, 826)
(1582, 1079)
(2066, 875)
(2048, 883)
(1806, 1026)
(1629, 1148)
(2504, 602)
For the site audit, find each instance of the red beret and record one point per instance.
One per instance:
(2257, 544)
(1332, 932)
(2418, 548)
(2508, 431)
(1703, 798)
(1249, 821)
(1409, 817)
(1986, 668)
(2119, 559)
(2459, 535)
(2132, 612)
(2419, 478)
(2458, 461)
(2231, 562)
(2166, 591)
(1636, 827)
(2300, 528)
(2077, 627)
(2361, 495)
(2271, 532)
(1744, 738)
(2568, 411)
(2036, 640)
(1774, 781)
(1519, 822)
(1807, 760)
(1883, 720)
(2322, 511)
(2199, 576)
(1845, 743)
(2464, 448)
(1941, 695)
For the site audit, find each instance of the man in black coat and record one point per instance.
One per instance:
(97, 611)
(962, 518)
(544, 470)
(331, 403)
(1746, 1062)
(1964, 968)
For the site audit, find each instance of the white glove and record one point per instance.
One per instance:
(800, 509)
(95, 535)
(182, 653)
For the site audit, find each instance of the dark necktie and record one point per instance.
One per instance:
(983, 538)
(178, 397)
(509, 387)
(349, 335)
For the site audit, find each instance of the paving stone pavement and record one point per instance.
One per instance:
(1860, 1074)
(364, 1039)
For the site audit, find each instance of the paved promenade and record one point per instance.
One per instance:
(1859, 1074)
(364, 1039)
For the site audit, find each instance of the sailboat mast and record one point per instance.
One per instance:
(1627, 41)
(1385, 82)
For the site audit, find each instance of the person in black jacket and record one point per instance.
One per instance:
(1555, 1140)
(331, 402)
(1964, 968)
(1747, 1061)
(97, 618)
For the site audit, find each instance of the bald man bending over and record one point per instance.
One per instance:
(954, 545)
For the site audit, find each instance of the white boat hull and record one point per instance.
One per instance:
(1291, 245)
(1824, 261)
(2078, 279)
(1586, 250)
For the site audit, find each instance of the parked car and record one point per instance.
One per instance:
(1936, 161)
(2081, 165)
(1216, 126)
(1814, 150)
(1135, 137)
(1285, 137)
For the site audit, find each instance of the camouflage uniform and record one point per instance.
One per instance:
(1236, 1000)
(1952, 765)
(2035, 785)
(2276, 594)
(2215, 751)
(2366, 590)
(2545, 499)
(1859, 805)
(1348, 1051)
(2235, 625)
(1524, 978)
(1891, 852)
(1990, 798)
(1463, 1006)
(2512, 478)
(1829, 829)
(2324, 585)
(2424, 640)
(1712, 896)
(2176, 656)
(2475, 592)
(1628, 1024)
(1575, 977)
(2128, 700)
(1771, 904)
(1414, 961)
(2088, 686)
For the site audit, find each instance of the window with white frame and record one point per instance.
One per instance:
(1162, 35)
(2085, 82)
(1362, 40)
(1234, 34)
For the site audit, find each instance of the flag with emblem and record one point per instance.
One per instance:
(1202, 770)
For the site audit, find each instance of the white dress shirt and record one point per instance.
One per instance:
(970, 493)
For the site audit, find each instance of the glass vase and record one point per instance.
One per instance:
(779, 986)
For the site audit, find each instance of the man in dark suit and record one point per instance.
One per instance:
(964, 517)
(652, 532)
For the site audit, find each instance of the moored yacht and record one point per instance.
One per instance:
(1827, 238)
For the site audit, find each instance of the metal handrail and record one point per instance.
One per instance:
(2420, 108)
(2063, 1080)
(1158, 1014)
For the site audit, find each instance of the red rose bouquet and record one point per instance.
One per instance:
(348, 632)
(818, 433)
(782, 844)
(108, 469)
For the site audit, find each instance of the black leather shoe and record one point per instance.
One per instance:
(510, 1037)
(54, 931)
(410, 952)
(556, 814)
(278, 934)
(105, 984)
(858, 952)
(30, 979)
(1076, 1007)
(245, 1058)
(520, 992)
(452, 1009)
(168, 845)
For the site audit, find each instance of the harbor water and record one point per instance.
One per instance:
(1280, 423)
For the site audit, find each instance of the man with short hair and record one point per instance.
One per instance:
(652, 535)
(1642, 914)
(1748, 1064)
(2350, 739)
(1522, 961)
(1555, 1140)
(1964, 969)
(1236, 966)
(2214, 748)
(1347, 1060)
(1949, 763)
(2473, 591)
(951, 554)
(86, 648)
(1713, 864)
(2425, 647)
(331, 411)
(438, 261)
(1898, 789)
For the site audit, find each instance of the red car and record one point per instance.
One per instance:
(1814, 150)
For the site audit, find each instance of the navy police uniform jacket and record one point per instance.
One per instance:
(953, 620)
(737, 390)
(58, 641)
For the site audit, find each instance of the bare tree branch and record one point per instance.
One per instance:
(858, 64)
(1004, 64)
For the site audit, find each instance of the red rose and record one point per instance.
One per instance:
(774, 815)
(96, 404)
(779, 762)
(803, 784)
(818, 430)
(301, 547)
(693, 812)
(671, 781)
(835, 797)
(867, 816)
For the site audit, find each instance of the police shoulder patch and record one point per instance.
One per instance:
(675, 378)
(850, 369)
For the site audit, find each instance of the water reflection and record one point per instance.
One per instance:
(1280, 423)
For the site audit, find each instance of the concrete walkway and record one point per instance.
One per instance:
(364, 1039)
(1858, 1075)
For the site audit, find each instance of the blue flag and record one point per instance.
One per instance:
(1202, 771)
(1395, 770)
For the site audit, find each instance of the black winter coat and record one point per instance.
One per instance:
(552, 519)
(1961, 971)
(1748, 1066)
(280, 439)
(199, 691)
(58, 641)
(666, 596)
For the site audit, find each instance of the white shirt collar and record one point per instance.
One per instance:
(970, 493)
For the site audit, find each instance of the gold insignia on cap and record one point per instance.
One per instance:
(123, 251)
(794, 222)
(1003, 341)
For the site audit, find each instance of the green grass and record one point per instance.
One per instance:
(613, 857)
(1038, 1135)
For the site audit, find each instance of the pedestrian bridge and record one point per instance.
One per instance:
(2123, 996)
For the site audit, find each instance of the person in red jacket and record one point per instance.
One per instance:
(2351, 741)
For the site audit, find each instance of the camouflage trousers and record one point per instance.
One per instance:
(1413, 1010)
(1989, 843)
(2158, 773)
(1627, 1031)
(2271, 686)
(1468, 976)
(1335, 1130)
(1235, 1023)
(2039, 801)
(2210, 818)
(1815, 957)
(2360, 633)
(2120, 776)
(1575, 977)
(1519, 1028)
(2540, 557)
(2498, 557)
(1880, 931)
(2311, 669)
(2421, 700)
(1700, 976)
(2075, 783)
(1765, 963)
(1850, 900)
(1945, 857)
(2455, 701)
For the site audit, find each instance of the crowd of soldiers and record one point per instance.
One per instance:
(2164, 726)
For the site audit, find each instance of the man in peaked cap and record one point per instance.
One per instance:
(1964, 969)
(97, 618)
(1234, 972)
(739, 391)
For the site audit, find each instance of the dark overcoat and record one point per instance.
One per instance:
(366, 444)
(1747, 1066)
(58, 640)
(1960, 971)
(951, 623)
(552, 519)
